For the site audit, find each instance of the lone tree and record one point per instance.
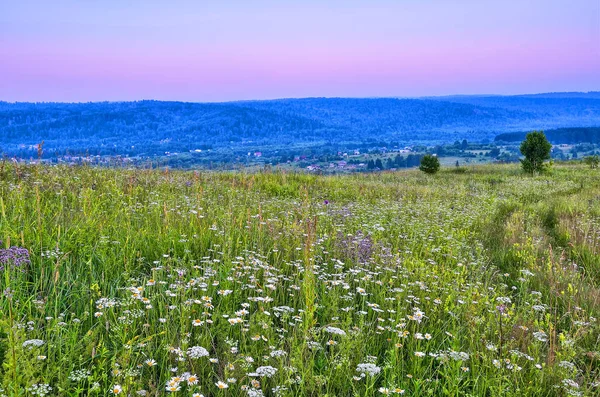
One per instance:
(430, 164)
(536, 150)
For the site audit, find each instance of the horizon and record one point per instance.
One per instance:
(67, 51)
(303, 98)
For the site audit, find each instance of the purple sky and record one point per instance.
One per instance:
(191, 50)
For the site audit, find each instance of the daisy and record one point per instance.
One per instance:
(192, 380)
(222, 385)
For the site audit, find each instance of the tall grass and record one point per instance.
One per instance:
(145, 282)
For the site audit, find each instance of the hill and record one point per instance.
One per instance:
(152, 128)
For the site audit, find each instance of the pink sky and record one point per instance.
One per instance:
(71, 51)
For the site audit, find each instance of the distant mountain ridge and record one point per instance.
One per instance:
(156, 127)
(573, 94)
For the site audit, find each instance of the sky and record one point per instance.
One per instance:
(207, 51)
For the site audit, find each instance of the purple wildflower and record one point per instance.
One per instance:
(15, 257)
(358, 247)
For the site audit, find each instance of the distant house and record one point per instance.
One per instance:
(257, 154)
(342, 164)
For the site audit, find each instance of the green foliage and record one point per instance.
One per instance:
(592, 161)
(4, 343)
(307, 276)
(536, 150)
(430, 164)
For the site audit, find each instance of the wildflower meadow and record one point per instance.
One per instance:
(142, 282)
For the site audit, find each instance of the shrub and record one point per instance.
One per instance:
(430, 164)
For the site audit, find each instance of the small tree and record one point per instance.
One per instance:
(592, 161)
(430, 164)
(536, 150)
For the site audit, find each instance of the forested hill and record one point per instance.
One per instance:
(558, 136)
(153, 127)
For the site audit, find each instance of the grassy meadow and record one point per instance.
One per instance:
(159, 282)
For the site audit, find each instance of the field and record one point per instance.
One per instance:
(145, 282)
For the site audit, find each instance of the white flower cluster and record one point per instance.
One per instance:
(267, 371)
(458, 356)
(568, 365)
(368, 369)
(79, 375)
(541, 336)
(31, 343)
(335, 331)
(40, 389)
(278, 353)
(104, 303)
(197, 352)
(255, 393)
